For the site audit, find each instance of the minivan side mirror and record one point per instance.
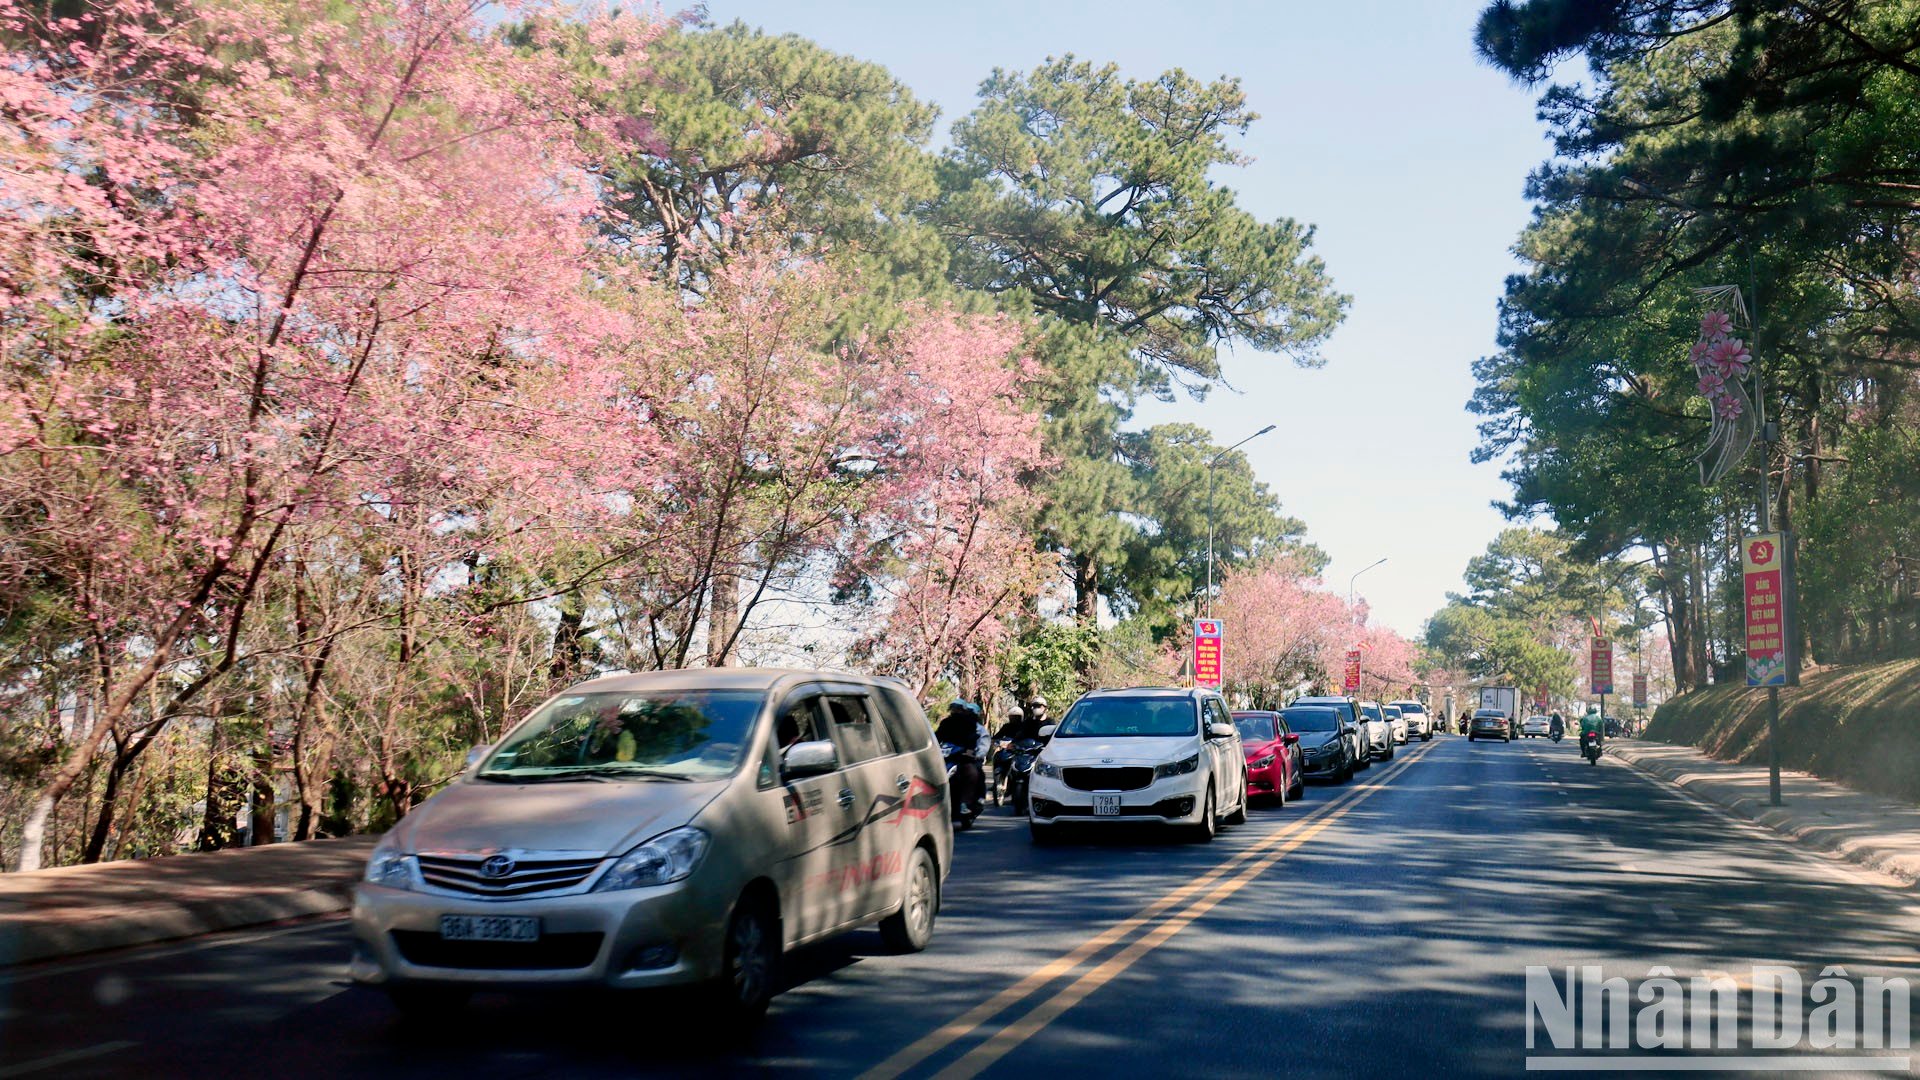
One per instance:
(1220, 731)
(804, 759)
(475, 756)
(1047, 730)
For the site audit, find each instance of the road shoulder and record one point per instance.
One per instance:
(1868, 830)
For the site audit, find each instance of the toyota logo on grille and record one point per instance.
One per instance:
(498, 866)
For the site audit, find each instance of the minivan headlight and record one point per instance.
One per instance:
(390, 868)
(1047, 769)
(1176, 768)
(663, 860)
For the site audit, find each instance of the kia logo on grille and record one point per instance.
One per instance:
(498, 866)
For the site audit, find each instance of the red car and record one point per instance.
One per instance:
(1273, 756)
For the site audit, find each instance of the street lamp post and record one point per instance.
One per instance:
(1211, 462)
(1356, 577)
(1768, 435)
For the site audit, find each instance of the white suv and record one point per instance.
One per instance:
(1419, 724)
(1145, 754)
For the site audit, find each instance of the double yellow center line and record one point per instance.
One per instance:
(1205, 893)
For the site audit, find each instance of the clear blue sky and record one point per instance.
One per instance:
(1379, 127)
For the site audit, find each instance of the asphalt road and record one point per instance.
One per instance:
(1381, 926)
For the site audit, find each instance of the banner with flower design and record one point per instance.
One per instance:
(1724, 366)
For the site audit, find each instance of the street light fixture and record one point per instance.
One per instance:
(1211, 462)
(1356, 577)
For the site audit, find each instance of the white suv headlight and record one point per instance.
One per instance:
(390, 868)
(1047, 769)
(1176, 768)
(663, 860)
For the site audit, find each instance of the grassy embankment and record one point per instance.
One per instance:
(1858, 725)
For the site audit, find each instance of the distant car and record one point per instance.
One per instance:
(1147, 754)
(1399, 723)
(1419, 721)
(1326, 753)
(1379, 731)
(1352, 726)
(1535, 727)
(1490, 724)
(1273, 756)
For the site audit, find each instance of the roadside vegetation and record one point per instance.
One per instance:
(1859, 725)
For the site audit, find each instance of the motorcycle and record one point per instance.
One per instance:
(1012, 770)
(963, 812)
(1555, 733)
(1590, 746)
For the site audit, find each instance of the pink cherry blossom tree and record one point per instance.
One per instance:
(1283, 627)
(955, 563)
(264, 269)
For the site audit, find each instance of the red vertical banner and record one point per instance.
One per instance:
(1764, 585)
(1351, 684)
(1639, 689)
(1600, 666)
(1208, 645)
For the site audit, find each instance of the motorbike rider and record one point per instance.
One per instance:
(964, 728)
(1010, 732)
(1037, 716)
(1018, 726)
(1556, 725)
(1590, 724)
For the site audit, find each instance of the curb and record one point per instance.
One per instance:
(39, 941)
(74, 911)
(1779, 820)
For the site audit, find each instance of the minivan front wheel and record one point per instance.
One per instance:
(1209, 824)
(911, 928)
(745, 986)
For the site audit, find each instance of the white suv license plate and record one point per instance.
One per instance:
(489, 928)
(1106, 806)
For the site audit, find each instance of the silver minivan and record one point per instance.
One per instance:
(660, 829)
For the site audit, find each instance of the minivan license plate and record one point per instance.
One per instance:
(489, 928)
(1106, 805)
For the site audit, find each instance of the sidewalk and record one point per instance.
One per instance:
(80, 909)
(1865, 829)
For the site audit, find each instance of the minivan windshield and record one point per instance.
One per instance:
(1410, 707)
(1371, 712)
(1300, 719)
(631, 734)
(1129, 715)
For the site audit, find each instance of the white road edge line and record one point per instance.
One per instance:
(66, 1058)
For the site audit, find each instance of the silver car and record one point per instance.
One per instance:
(670, 828)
